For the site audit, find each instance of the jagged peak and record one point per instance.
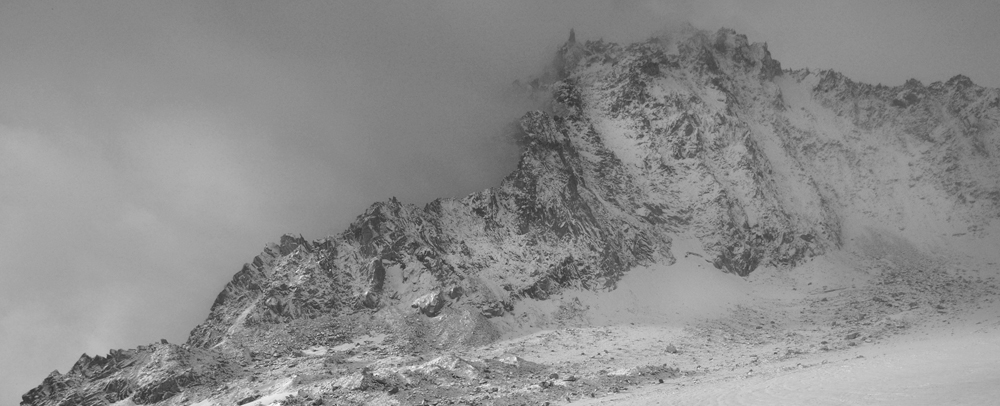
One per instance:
(738, 48)
(569, 55)
(913, 83)
(830, 79)
(729, 39)
(960, 81)
(291, 242)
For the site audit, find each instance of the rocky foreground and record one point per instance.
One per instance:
(687, 163)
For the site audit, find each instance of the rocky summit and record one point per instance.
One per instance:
(691, 146)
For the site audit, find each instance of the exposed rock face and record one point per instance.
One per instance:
(695, 136)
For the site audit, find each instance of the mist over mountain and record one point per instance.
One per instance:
(149, 148)
(658, 181)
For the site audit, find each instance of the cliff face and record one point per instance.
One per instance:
(691, 135)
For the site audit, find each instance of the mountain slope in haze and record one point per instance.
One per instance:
(691, 136)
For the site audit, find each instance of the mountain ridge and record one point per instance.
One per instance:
(692, 135)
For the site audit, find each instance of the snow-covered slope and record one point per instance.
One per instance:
(692, 145)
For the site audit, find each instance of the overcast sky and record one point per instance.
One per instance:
(148, 150)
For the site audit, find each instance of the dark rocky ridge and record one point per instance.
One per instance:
(684, 136)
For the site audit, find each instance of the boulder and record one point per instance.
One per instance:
(429, 304)
(358, 381)
(369, 299)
